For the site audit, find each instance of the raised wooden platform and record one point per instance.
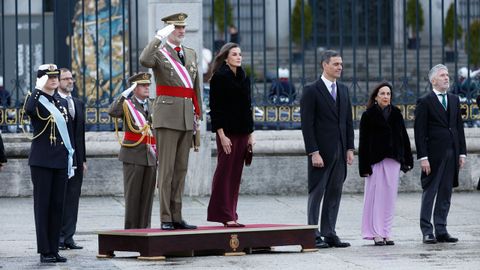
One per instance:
(157, 244)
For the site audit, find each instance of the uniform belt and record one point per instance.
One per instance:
(135, 137)
(178, 91)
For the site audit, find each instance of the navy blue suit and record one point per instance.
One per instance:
(74, 184)
(48, 162)
(327, 128)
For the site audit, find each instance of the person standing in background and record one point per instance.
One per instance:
(76, 111)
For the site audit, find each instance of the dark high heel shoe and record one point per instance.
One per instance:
(389, 242)
(379, 241)
(233, 225)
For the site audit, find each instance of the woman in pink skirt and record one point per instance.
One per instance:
(383, 151)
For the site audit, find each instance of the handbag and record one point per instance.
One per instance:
(248, 155)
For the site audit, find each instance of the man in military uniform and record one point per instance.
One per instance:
(50, 160)
(137, 152)
(177, 107)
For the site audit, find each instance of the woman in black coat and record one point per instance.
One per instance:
(232, 121)
(384, 150)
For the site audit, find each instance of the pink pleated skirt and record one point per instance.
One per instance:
(379, 202)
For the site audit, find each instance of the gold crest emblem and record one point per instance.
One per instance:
(145, 76)
(51, 67)
(181, 17)
(234, 242)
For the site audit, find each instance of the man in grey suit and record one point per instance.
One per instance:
(177, 109)
(137, 152)
(327, 128)
(441, 149)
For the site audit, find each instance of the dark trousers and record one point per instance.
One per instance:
(329, 186)
(440, 187)
(48, 197)
(70, 208)
(226, 180)
(139, 187)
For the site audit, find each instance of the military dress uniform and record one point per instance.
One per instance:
(49, 166)
(138, 157)
(173, 118)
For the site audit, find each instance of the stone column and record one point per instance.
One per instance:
(199, 174)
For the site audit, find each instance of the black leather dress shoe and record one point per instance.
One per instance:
(429, 239)
(446, 238)
(62, 247)
(319, 243)
(73, 246)
(183, 225)
(59, 258)
(47, 258)
(335, 242)
(167, 226)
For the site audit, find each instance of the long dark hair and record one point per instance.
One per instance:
(222, 55)
(373, 95)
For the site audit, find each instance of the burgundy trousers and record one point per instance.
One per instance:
(226, 180)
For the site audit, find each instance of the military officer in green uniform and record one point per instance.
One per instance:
(137, 152)
(177, 108)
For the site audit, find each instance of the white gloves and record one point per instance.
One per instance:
(164, 32)
(127, 92)
(40, 83)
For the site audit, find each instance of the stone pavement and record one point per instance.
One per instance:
(18, 246)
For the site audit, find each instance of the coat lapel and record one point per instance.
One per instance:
(322, 88)
(438, 108)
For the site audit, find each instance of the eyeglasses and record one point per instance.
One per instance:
(68, 79)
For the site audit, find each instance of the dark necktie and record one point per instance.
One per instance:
(180, 54)
(444, 100)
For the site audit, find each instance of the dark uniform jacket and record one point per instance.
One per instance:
(43, 152)
(382, 138)
(140, 154)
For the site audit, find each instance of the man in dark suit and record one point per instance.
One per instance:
(76, 111)
(441, 149)
(327, 128)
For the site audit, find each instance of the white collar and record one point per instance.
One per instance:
(327, 82)
(64, 96)
(438, 92)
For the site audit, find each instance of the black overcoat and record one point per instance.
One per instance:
(382, 138)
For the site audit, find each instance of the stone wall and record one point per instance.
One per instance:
(279, 166)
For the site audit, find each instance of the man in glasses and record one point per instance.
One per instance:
(76, 112)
